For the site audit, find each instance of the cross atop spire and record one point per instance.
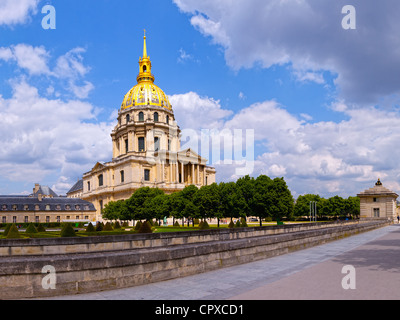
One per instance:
(144, 45)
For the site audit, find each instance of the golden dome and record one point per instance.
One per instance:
(145, 92)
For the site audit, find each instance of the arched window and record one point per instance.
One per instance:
(167, 120)
(141, 116)
(128, 118)
(100, 180)
(141, 144)
(155, 116)
(144, 68)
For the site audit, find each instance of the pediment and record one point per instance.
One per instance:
(98, 166)
(191, 156)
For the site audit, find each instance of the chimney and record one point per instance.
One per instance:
(36, 189)
(40, 197)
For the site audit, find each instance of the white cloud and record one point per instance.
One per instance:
(69, 67)
(195, 112)
(81, 92)
(16, 11)
(32, 59)
(42, 137)
(322, 157)
(307, 35)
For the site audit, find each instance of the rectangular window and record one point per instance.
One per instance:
(101, 180)
(156, 143)
(14, 219)
(88, 185)
(58, 219)
(376, 212)
(26, 219)
(169, 145)
(47, 219)
(122, 176)
(4, 220)
(37, 219)
(141, 144)
(146, 175)
(126, 145)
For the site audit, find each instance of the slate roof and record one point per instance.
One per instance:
(62, 204)
(45, 191)
(76, 187)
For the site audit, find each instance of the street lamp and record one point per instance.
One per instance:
(313, 211)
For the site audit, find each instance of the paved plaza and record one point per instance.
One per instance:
(314, 273)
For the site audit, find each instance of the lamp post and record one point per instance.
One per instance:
(313, 211)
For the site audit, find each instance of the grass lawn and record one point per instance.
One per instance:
(56, 233)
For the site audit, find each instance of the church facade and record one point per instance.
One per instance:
(146, 149)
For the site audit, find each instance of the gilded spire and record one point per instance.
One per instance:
(145, 65)
(144, 45)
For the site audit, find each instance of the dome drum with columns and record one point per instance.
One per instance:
(146, 148)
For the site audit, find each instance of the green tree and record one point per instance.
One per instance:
(90, 228)
(302, 206)
(334, 207)
(13, 232)
(136, 204)
(189, 210)
(262, 198)
(68, 231)
(232, 201)
(246, 186)
(31, 229)
(282, 202)
(352, 207)
(207, 201)
(114, 210)
(157, 207)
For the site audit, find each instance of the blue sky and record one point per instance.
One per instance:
(322, 100)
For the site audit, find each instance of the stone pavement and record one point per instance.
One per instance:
(314, 273)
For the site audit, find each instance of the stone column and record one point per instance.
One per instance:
(183, 172)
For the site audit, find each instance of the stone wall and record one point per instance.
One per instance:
(104, 263)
